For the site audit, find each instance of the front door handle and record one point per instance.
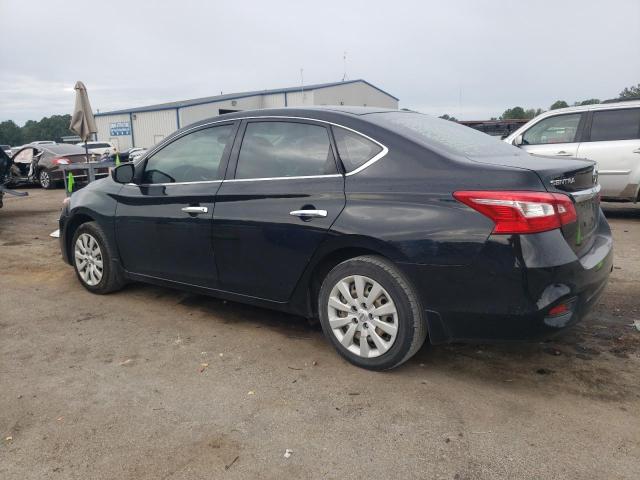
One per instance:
(562, 153)
(637, 150)
(309, 213)
(196, 210)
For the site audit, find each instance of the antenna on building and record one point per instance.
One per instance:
(344, 64)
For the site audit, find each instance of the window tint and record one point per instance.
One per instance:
(192, 158)
(615, 125)
(354, 149)
(284, 149)
(558, 129)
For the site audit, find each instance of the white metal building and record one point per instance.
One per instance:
(146, 126)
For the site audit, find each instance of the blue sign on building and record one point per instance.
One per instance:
(119, 129)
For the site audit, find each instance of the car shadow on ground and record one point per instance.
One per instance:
(589, 359)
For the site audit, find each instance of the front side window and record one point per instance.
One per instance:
(25, 156)
(558, 129)
(621, 124)
(285, 149)
(193, 158)
(354, 149)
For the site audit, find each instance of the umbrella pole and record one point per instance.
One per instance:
(89, 170)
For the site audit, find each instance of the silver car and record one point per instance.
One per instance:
(608, 133)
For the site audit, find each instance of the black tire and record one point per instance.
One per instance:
(411, 325)
(45, 180)
(112, 274)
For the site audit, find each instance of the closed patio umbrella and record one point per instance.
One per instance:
(82, 121)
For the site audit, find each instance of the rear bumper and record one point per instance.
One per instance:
(506, 294)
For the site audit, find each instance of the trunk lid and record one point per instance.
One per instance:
(576, 178)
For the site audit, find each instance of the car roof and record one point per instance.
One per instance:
(314, 112)
(596, 106)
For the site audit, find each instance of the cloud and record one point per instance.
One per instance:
(468, 58)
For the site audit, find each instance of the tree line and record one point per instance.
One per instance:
(49, 128)
(517, 113)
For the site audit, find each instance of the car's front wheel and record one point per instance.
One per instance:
(370, 313)
(93, 260)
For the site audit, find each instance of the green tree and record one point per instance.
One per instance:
(10, 133)
(448, 117)
(558, 104)
(590, 101)
(49, 128)
(629, 92)
(513, 114)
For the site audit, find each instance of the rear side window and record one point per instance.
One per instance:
(354, 149)
(285, 149)
(557, 129)
(192, 158)
(621, 124)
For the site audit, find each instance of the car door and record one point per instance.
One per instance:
(613, 140)
(558, 135)
(282, 193)
(164, 222)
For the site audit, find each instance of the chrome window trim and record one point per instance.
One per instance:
(301, 177)
(173, 183)
(367, 164)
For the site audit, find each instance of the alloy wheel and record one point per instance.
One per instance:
(88, 259)
(45, 179)
(363, 316)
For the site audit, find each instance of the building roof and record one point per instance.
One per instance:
(235, 96)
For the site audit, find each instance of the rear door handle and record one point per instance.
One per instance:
(196, 210)
(637, 150)
(309, 213)
(562, 153)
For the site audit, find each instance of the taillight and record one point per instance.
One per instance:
(521, 212)
(60, 161)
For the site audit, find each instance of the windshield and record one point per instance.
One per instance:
(444, 135)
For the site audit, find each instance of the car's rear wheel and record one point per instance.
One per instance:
(93, 260)
(370, 313)
(45, 180)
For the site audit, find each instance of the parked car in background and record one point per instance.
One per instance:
(99, 148)
(388, 226)
(608, 133)
(136, 153)
(41, 164)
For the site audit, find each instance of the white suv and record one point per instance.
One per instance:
(608, 133)
(99, 148)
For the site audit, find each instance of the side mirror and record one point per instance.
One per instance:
(517, 141)
(123, 173)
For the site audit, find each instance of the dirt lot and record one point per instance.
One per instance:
(154, 383)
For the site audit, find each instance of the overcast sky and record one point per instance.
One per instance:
(471, 59)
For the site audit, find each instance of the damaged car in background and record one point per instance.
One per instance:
(5, 177)
(41, 164)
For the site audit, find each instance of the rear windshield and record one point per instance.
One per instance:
(98, 145)
(444, 135)
(65, 149)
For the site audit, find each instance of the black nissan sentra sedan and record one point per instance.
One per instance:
(390, 227)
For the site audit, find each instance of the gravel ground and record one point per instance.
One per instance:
(152, 383)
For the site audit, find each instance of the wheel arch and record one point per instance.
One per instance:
(331, 253)
(72, 226)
